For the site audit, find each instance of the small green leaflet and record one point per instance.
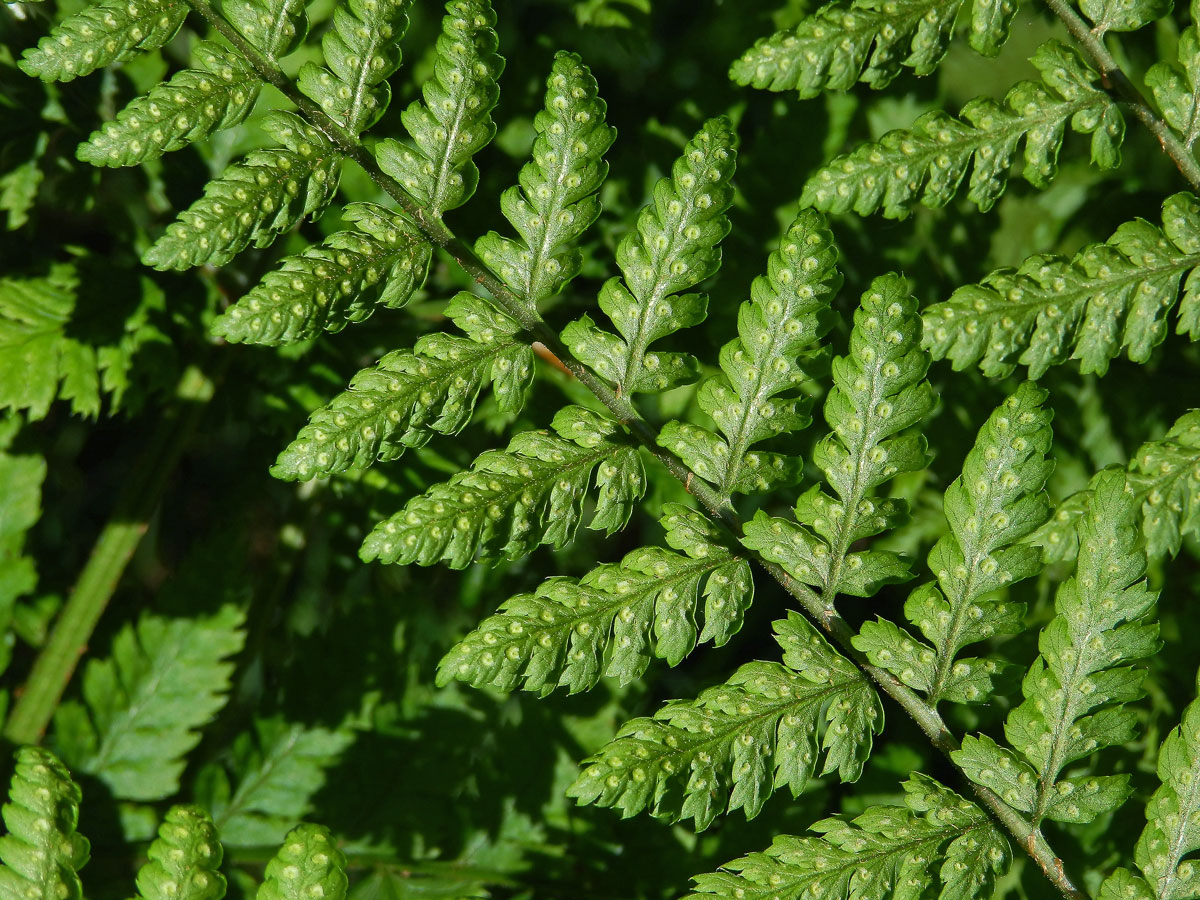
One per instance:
(184, 861)
(308, 865)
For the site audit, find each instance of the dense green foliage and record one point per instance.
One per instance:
(599, 448)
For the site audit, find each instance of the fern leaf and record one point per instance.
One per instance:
(360, 51)
(39, 360)
(383, 262)
(1166, 473)
(99, 35)
(1110, 298)
(997, 501)
(555, 201)
(164, 679)
(1123, 15)
(1172, 824)
(41, 854)
(1075, 690)
(928, 162)
(410, 395)
(254, 200)
(879, 390)
(737, 742)
(843, 43)
(938, 845)
(308, 865)
(755, 396)
(278, 768)
(674, 247)
(512, 500)
(219, 93)
(275, 27)
(454, 122)
(1175, 85)
(614, 619)
(21, 478)
(184, 861)
(1165, 477)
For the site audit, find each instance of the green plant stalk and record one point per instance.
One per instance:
(1113, 77)
(55, 664)
(827, 618)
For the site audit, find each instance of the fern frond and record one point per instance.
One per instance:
(360, 51)
(1172, 824)
(164, 679)
(42, 853)
(1075, 691)
(863, 40)
(939, 846)
(1110, 298)
(278, 768)
(674, 247)
(879, 390)
(274, 27)
(410, 395)
(928, 162)
(997, 501)
(21, 478)
(184, 861)
(254, 200)
(737, 742)
(614, 619)
(219, 93)
(308, 865)
(383, 262)
(99, 35)
(512, 500)
(1166, 474)
(755, 396)
(1123, 15)
(1175, 85)
(555, 201)
(454, 122)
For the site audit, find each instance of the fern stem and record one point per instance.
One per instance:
(1114, 78)
(926, 717)
(55, 664)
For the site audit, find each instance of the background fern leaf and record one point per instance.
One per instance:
(308, 865)
(21, 479)
(614, 619)
(928, 162)
(360, 51)
(674, 247)
(737, 742)
(843, 43)
(99, 35)
(184, 861)
(410, 395)
(164, 679)
(272, 776)
(254, 200)
(887, 851)
(219, 93)
(879, 391)
(1172, 824)
(555, 201)
(997, 501)
(383, 262)
(755, 396)
(1109, 298)
(42, 853)
(512, 500)
(454, 122)
(1075, 690)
